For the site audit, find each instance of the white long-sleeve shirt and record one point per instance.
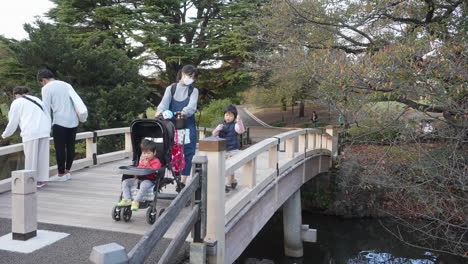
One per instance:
(180, 94)
(33, 122)
(56, 96)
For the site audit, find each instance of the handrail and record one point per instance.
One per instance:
(196, 221)
(298, 145)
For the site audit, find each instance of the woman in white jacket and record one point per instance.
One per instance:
(30, 114)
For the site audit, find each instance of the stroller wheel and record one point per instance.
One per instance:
(151, 215)
(116, 213)
(127, 214)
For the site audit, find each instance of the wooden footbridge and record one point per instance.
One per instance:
(270, 174)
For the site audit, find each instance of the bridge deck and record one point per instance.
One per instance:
(88, 198)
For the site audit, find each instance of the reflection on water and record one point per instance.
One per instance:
(9, 163)
(341, 241)
(374, 257)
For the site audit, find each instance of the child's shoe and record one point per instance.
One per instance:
(234, 184)
(125, 202)
(135, 205)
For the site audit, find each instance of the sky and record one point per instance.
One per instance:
(13, 14)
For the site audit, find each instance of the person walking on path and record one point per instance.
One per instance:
(183, 97)
(29, 113)
(230, 129)
(314, 119)
(56, 98)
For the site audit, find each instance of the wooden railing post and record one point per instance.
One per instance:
(128, 142)
(333, 141)
(302, 143)
(290, 148)
(273, 157)
(198, 247)
(310, 141)
(249, 172)
(215, 150)
(202, 134)
(91, 148)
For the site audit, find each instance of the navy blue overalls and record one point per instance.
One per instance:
(189, 149)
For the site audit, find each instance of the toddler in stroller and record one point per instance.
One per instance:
(153, 140)
(148, 152)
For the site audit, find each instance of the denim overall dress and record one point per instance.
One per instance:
(189, 149)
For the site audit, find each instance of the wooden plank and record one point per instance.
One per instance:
(180, 237)
(11, 149)
(143, 248)
(112, 131)
(236, 162)
(290, 134)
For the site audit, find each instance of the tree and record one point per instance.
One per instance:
(168, 35)
(352, 54)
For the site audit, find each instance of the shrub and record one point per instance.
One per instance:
(278, 124)
(374, 134)
(213, 113)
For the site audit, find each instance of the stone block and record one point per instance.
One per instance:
(24, 213)
(112, 253)
(308, 235)
(23, 182)
(197, 253)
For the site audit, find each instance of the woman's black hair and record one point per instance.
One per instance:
(188, 69)
(20, 90)
(148, 145)
(232, 109)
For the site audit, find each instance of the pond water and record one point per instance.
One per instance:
(341, 241)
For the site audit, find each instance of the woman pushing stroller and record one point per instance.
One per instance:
(183, 97)
(148, 152)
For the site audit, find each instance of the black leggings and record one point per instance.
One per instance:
(64, 142)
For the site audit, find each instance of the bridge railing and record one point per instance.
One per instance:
(91, 153)
(195, 191)
(297, 144)
(277, 154)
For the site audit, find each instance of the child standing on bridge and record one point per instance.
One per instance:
(148, 152)
(229, 130)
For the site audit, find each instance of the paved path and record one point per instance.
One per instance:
(82, 207)
(77, 247)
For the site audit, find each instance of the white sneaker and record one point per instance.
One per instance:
(58, 178)
(68, 175)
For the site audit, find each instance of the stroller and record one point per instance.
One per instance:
(162, 132)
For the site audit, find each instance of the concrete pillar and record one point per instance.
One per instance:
(23, 205)
(292, 223)
(197, 253)
(215, 150)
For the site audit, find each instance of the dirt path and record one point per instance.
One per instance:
(260, 121)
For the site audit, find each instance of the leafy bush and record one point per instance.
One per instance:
(213, 113)
(311, 125)
(278, 124)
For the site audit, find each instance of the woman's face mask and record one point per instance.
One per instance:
(187, 80)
